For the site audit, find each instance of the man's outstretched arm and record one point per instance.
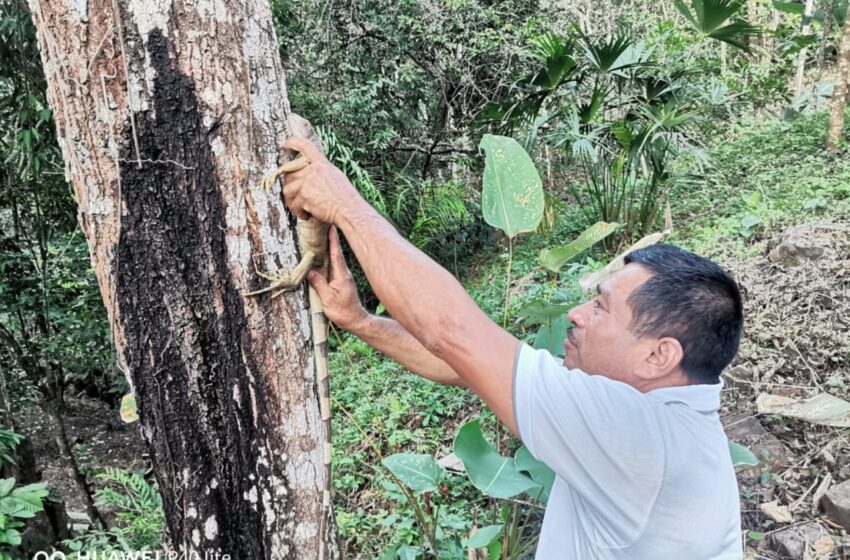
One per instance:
(422, 296)
(342, 306)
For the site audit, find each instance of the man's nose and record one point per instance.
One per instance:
(576, 315)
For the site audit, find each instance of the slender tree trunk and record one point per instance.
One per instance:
(839, 94)
(805, 27)
(168, 114)
(754, 17)
(767, 38)
(54, 409)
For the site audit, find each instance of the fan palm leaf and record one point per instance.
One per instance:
(616, 54)
(719, 20)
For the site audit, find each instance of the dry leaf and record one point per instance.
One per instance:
(820, 409)
(451, 462)
(778, 513)
(823, 547)
(589, 281)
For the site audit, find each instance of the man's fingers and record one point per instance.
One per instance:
(338, 266)
(305, 147)
(290, 197)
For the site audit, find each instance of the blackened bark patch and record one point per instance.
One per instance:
(184, 350)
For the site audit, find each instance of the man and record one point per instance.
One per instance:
(630, 425)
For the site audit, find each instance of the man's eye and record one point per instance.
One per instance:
(596, 304)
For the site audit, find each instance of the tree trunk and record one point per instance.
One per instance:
(768, 38)
(805, 27)
(839, 94)
(168, 114)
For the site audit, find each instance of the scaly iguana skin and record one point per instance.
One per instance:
(313, 239)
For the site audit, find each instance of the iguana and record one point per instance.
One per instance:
(313, 240)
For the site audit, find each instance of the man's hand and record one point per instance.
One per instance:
(320, 189)
(339, 296)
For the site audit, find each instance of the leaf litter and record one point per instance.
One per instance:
(794, 362)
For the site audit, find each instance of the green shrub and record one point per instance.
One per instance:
(16, 502)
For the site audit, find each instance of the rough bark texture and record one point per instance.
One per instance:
(839, 94)
(168, 114)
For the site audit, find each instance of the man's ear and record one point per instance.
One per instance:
(666, 356)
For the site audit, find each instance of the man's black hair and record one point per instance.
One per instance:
(693, 300)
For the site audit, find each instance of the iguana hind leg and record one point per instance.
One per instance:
(286, 281)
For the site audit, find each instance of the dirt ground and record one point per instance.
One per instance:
(796, 344)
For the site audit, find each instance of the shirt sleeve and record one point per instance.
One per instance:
(599, 435)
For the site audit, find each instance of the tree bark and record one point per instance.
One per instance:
(839, 94)
(805, 27)
(168, 114)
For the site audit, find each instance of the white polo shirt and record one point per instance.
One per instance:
(639, 476)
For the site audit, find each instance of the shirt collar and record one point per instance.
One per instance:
(703, 398)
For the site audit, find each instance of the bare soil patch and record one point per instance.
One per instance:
(100, 439)
(796, 344)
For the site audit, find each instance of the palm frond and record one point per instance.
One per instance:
(719, 20)
(557, 56)
(615, 54)
(589, 110)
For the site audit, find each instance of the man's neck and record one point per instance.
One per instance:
(676, 378)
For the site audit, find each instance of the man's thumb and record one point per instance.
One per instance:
(318, 282)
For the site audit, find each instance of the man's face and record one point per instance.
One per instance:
(601, 342)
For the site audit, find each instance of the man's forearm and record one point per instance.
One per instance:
(425, 298)
(389, 337)
(434, 307)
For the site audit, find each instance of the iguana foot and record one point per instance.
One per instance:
(283, 282)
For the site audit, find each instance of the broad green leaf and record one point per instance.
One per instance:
(551, 336)
(749, 221)
(18, 508)
(719, 20)
(512, 198)
(407, 552)
(540, 312)
(741, 456)
(494, 550)
(554, 259)
(753, 199)
(420, 473)
(12, 537)
(493, 474)
(6, 485)
(31, 493)
(128, 409)
(755, 535)
(815, 203)
(539, 473)
(484, 536)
